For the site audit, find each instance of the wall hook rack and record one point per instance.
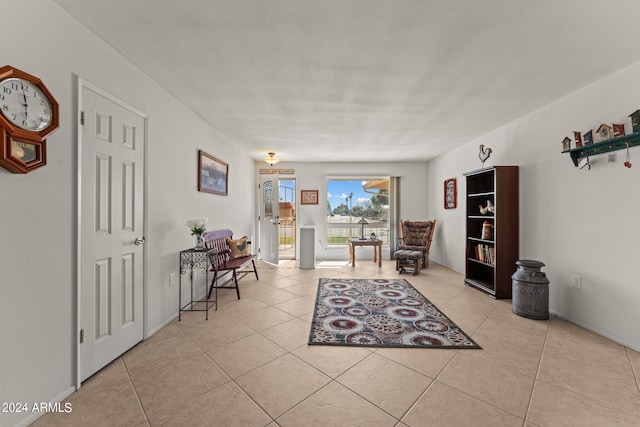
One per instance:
(615, 144)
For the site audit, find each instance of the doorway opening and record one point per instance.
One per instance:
(287, 213)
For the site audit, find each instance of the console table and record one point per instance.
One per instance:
(377, 250)
(191, 260)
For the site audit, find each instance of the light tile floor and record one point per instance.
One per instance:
(250, 365)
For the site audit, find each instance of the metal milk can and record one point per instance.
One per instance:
(530, 290)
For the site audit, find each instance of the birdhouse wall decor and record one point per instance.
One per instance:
(588, 138)
(605, 139)
(578, 138)
(635, 121)
(604, 133)
(618, 130)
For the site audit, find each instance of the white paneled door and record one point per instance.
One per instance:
(269, 218)
(111, 242)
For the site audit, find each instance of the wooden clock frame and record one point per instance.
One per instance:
(14, 139)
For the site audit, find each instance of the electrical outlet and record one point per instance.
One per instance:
(613, 157)
(172, 279)
(577, 281)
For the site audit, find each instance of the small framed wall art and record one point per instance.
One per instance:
(450, 193)
(213, 174)
(309, 197)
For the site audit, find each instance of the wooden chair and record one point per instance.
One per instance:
(415, 236)
(222, 263)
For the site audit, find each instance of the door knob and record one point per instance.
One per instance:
(139, 240)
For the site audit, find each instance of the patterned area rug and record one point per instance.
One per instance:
(381, 313)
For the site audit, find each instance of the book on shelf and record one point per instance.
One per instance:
(485, 253)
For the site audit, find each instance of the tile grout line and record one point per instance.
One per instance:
(231, 379)
(562, 387)
(462, 391)
(634, 373)
(535, 378)
(135, 390)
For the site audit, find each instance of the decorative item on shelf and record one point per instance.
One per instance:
(578, 138)
(490, 209)
(566, 144)
(487, 231)
(635, 121)
(486, 254)
(271, 159)
(372, 236)
(584, 163)
(198, 226)
(579, 155)
(484, 154)
(618, 130)
(604, 133)
(362, 223)
(627, 164)
(588, 138)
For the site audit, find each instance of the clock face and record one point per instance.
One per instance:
(24, 104)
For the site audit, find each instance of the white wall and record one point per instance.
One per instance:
(575, 221)
(38, 210)
(313, 176)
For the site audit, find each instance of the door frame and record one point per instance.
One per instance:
(80, 86)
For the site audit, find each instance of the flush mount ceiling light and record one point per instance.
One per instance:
(272, 160)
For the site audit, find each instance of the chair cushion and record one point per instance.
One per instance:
(416, 233)
(239, 247)
(405, 254)
(422, 249)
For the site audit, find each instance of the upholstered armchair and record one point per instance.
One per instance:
(417, 236)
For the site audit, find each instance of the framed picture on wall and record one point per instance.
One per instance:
(213, 174)
(450, 193)
(309, 197)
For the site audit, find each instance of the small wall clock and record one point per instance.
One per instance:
(28, 115)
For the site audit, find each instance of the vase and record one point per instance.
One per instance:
(199, 239)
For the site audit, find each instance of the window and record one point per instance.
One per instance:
(349, 201)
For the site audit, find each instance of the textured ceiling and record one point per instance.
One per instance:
(365, 80)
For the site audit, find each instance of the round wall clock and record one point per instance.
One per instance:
(28, 115)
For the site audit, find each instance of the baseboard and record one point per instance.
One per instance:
(161, 325)
(604, 334)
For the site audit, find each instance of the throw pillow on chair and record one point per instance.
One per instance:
(239, 247)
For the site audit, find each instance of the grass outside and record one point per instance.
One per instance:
(338, 240)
